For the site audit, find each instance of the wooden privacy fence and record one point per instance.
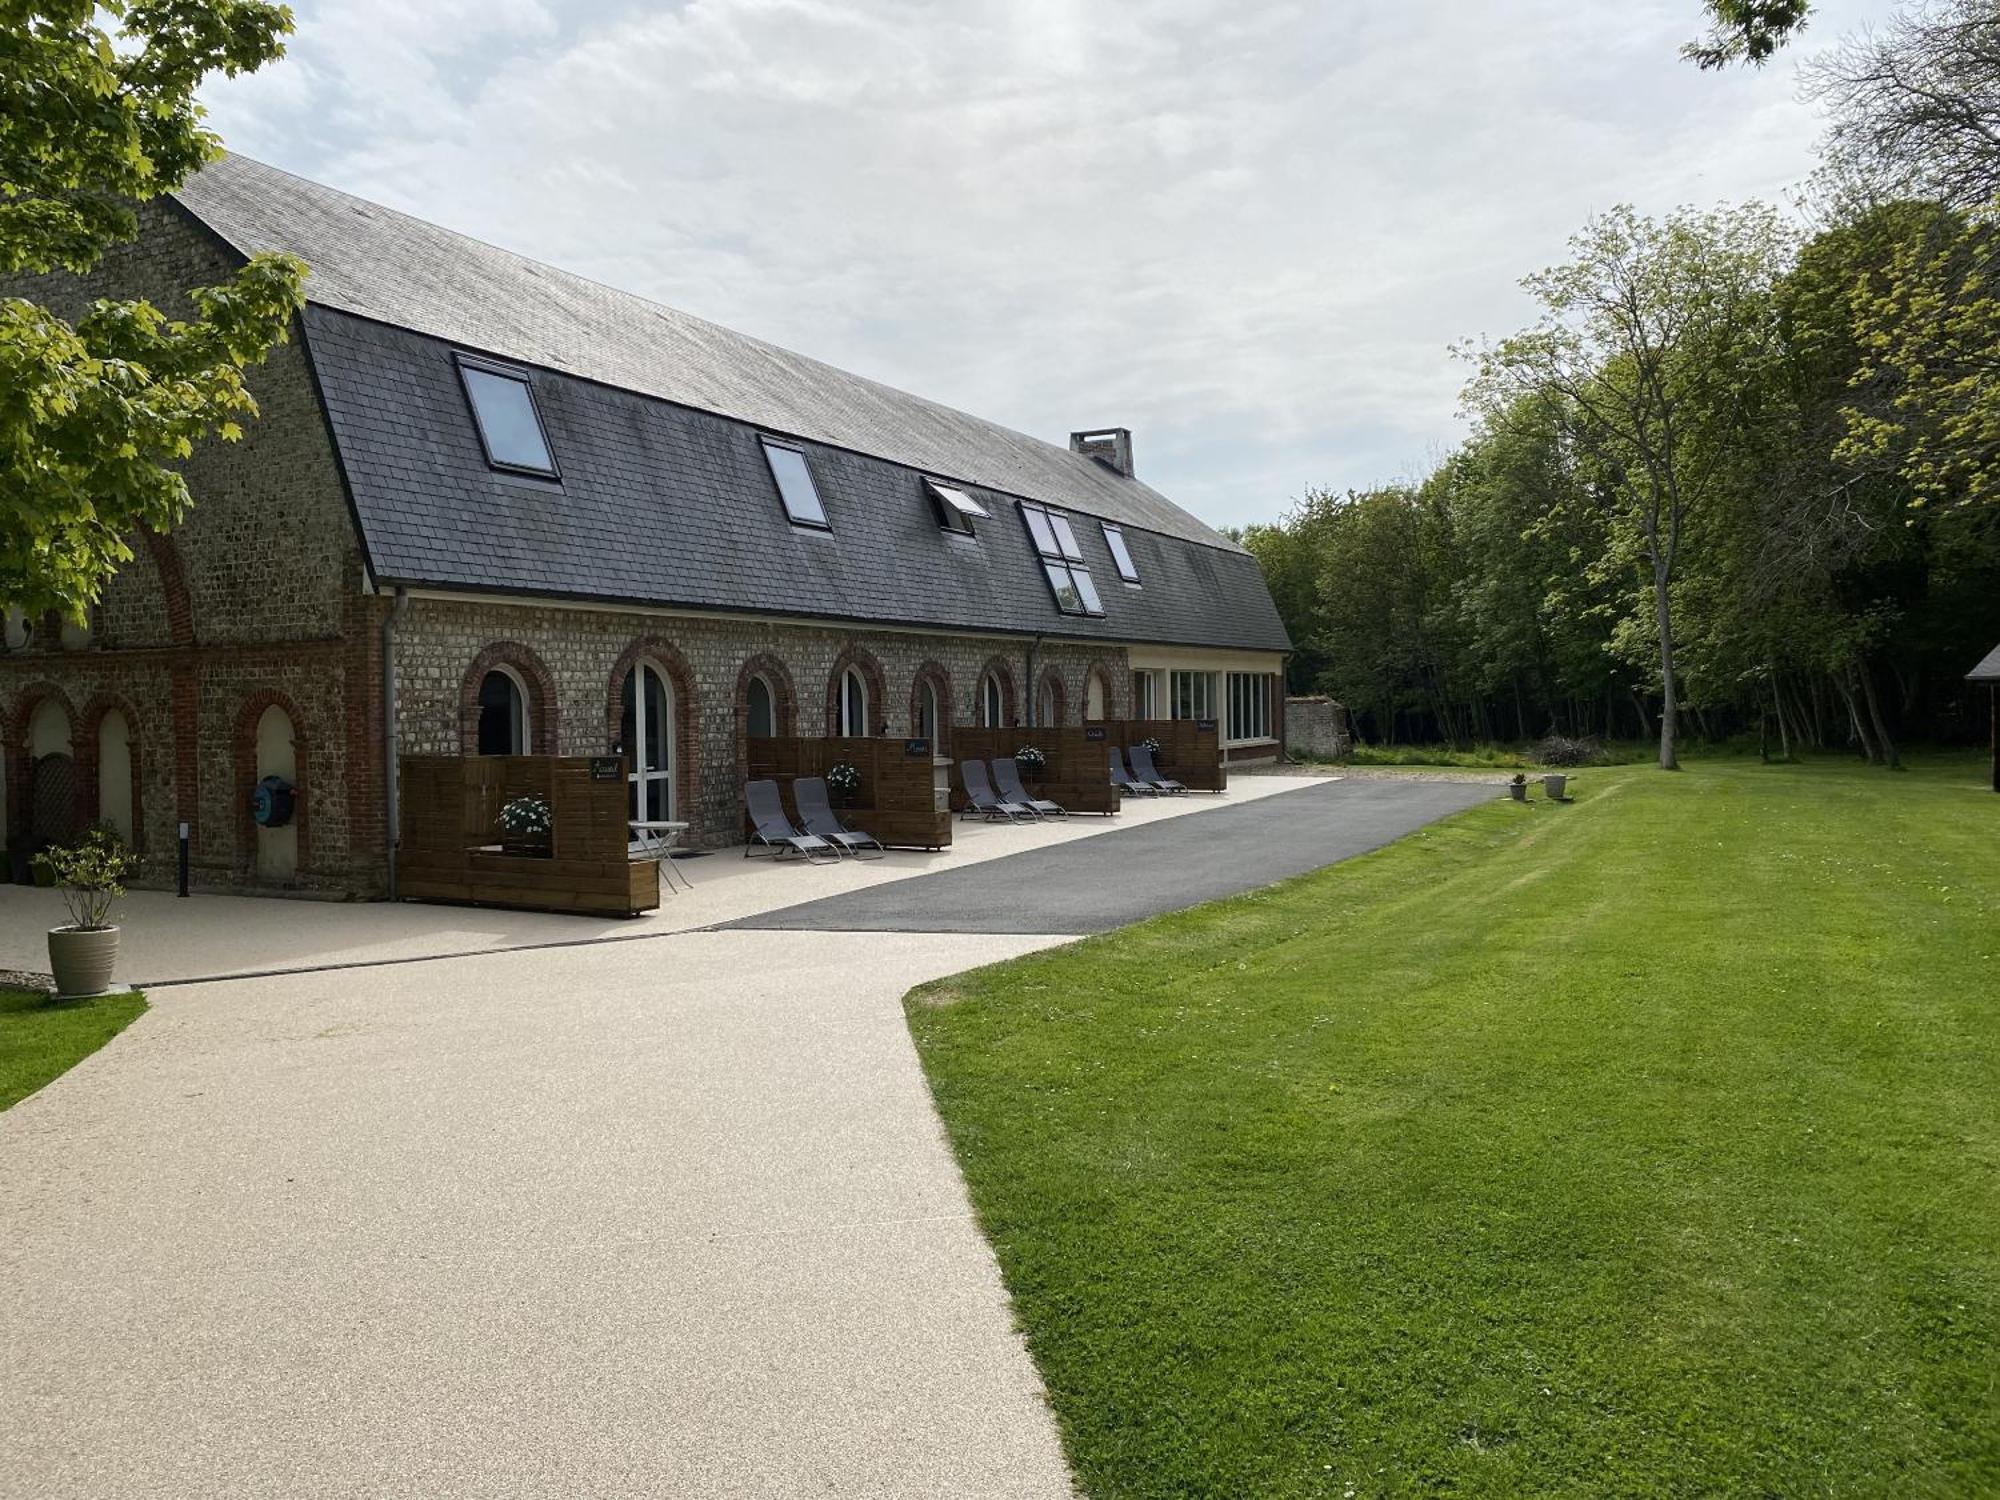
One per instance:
(897, 800)
(451, 846)
(1190, 749)
(1078, 774)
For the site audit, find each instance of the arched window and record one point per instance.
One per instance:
(992, 702)
(853, 703)
(761, 719)
(1093, 696)
(930, 718)
(114, 775)
(277, 755)
(503, 714)
(646, 734)
(1049, 702)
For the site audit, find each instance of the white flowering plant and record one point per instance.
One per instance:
(526, 818)
(843, 778)
(1031, 761)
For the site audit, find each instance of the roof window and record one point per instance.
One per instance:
(1062, 560)
(1114, 538)
(795, 485)
(956, 510)
(510, 426)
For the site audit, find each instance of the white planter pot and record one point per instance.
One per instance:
(1552, 787)
(82, 960)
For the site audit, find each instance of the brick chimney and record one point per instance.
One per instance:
(1110, 446)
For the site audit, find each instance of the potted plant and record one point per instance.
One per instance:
(1518, 787)
(91, 874)
(526, 827)
(843, 779)
(1032, 763)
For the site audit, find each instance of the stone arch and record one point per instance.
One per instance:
(862, 660)
(932, 674)
(667, 657)
(89, 768)
(1051, 688)
(999, 668)
(534, 676)
(244, 742)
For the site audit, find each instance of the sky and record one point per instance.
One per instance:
(1249, 230)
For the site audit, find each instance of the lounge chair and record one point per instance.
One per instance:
(1146, 771)
(1125, 781)
(774, 831)
(982, 799)
(1007, 776)
(816, 813)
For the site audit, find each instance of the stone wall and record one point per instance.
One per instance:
(1316, 729)
(254, 598)
(574, 662)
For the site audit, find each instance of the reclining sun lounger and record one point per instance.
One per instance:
(809, 793)
(1007, 776)
(1125, 781)
(1146, 771)
(774, 831)
(981, 798)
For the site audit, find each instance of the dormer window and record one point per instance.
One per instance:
(795, 485)
(510, 425)
(1062, 560)
(956, 510)
(1114, 538)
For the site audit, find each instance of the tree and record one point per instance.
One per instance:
(1916, 108)
(94, 413)
(1649, 336)
(1746, 31)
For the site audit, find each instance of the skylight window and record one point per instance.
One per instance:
(1114, 538)
(1062, 560)
(956, 510)
(795, 486)
(510, 428)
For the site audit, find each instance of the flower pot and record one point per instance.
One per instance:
(535, 848)
(1518, 790)
(82, 960)
(1552, 787)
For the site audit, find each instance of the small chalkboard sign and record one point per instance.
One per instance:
(1094, 736)
(607, 768)
(917, 749)
(1204, 726)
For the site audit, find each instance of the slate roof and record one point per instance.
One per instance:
(1988, 669)
(653, 414)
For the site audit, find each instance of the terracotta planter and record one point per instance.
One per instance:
(82, 960)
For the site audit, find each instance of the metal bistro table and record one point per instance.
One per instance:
(657, 840)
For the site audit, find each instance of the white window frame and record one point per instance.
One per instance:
(1193, 691)
(1251, 720)
(853, 696)
(523, 727)
(1146, 693)
(759, 680)
(992, 702)
(639, 774)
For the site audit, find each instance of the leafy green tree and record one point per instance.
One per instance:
(94, 413)
(1746, 31)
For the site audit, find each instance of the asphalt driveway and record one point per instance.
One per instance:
(1093, 885)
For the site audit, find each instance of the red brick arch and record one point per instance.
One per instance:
(871, 674)
(939, 679)
(784, 697)
(1010, 707)
(244, 741)
(543, 732)
(687, 716)
(1100, 670)
(85, 742)
(1052, 679)
(173, 586)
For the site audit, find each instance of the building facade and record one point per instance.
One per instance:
(541, 516)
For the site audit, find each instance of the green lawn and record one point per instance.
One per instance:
(1644, 1146)
(41, 1039)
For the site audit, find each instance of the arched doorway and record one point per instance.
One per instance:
(853, 703)
(992, 702)
(115, 778)
(277, 755)
(760, 717)
(504, 724)
(53, 803)
(646, 734)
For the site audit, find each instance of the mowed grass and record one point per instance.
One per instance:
(1644, 1146)
(41, 1039)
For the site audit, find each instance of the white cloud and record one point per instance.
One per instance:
(1247, 230)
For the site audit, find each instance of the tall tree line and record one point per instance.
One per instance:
(1736, 477)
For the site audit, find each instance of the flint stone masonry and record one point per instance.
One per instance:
(1316, 729)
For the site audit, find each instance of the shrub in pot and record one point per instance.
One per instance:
(843, 779)
(91, 874)
(1032, 764)
(526, 827)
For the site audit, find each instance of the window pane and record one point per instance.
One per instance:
(1091, 603)
(1065, 538)
(957, 500)
(1068, 600)
(659, 720)
(762, 721)
(1038, 528)
(505, 408)
(795, 485)
(1120, 554)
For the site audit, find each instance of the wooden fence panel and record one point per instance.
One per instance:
(896, 801)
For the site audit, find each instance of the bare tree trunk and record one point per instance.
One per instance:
(1645, 719)
(1845, 688)
(1520, 717)
(1670, 709)
(1889, 756)
(1784, 730)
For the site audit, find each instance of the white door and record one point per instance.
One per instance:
(646, 736)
